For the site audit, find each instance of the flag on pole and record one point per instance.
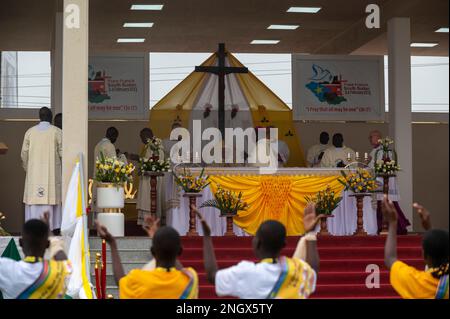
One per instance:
(11, 252)
(74, 225)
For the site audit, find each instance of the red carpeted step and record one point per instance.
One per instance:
(330, 278)
(343, 262)
(331, 253)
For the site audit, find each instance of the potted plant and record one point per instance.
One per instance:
(192, 187)
(387, 166)
(325, 202)
(361, 183)
(229, 204)
(110, 177)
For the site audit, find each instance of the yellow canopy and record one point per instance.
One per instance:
(246, 90)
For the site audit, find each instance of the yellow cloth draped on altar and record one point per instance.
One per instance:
(277, 197)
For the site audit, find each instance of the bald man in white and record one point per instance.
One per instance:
(41, 159)
(337, 155)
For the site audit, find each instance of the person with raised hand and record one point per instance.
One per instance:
(274, 276)
(409, 282)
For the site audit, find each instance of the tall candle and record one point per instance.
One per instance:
(357, 154)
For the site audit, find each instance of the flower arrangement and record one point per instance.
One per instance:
(155, 144)
(361, 181)
(326, 201)
(2, 231)
(227, 202)
(190, 183)
(153, 165)
(111, 170)
(386, 166)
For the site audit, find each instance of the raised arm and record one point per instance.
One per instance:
(390, 248)
(307, 246)
(117, 263)
(209, 256)
(425, 216)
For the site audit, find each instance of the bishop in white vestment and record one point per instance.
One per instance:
(41, 159)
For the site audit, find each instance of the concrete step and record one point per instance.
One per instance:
(139, 243)
(134, 255)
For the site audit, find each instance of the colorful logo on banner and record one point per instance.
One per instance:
(326, 86)
(98, 84)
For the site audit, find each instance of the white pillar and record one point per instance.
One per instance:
(75, 86)
(56, 61)
(400, 127)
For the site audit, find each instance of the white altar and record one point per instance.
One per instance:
(342, 224)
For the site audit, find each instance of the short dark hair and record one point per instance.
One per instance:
(35, 231)
(112, 132)
(338, 140)
(146, 130)
(166, 243)
(272, 236)
(45, 114)
(435, 246)
(57, 121)
(324, 137)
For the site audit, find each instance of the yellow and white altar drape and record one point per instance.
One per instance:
(279, 198)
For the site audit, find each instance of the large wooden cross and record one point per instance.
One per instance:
(221, 71)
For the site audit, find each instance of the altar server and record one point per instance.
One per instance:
(409, 282)
(337, 155)
(35, 277)
(274, 276)
(106, 146)
(169, 280)
(41, 159)
(315, 152)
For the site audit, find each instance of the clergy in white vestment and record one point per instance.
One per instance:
(315, 152)
(269, 150)
(337, 155)
(143, 204)
(41, 158)
(376, 154)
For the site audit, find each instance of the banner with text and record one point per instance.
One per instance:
(338, 87)
(117, 87)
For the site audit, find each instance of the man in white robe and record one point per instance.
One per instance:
(376, 154)
(315, 152)
(337, 155)
(143, 204)
(41, 158)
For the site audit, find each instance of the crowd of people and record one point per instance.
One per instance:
(273, 276)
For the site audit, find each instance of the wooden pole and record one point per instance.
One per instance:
(230, 231)
(384, 224)
(153, 195)
(359, 211)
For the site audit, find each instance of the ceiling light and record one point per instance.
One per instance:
(304, 9)
(138, 24)
(423, 45)
(265, 42)
(283, 27)
(153, 7)
(442, 30)
(130, 40)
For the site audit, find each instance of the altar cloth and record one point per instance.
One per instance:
(279, 196)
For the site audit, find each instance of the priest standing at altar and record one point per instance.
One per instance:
(315, 152)
(337, 155)
(41, 158)
(375, 155)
